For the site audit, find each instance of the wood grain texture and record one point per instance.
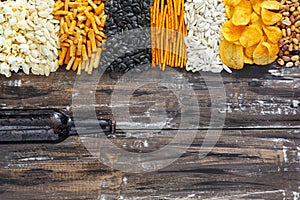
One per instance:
(256, 156)
(243, 164)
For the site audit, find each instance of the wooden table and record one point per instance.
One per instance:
(257, 155)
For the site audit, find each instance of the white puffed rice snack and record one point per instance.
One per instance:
(28, 37)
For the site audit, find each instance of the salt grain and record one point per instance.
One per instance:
(204, 19)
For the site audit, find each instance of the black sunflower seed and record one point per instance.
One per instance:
(126, 48)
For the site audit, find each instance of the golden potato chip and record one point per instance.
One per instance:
(237, 42)
(256, 4)
(231, 2)
(271, 5)
(269, 17)
(229, 11)
(249, 51)
(250, 36)
(261, 55)
(272, 48)
(242, 13)
(248, 60)
(273, 33)
(232, 55)
(231, 32)
(256, 20)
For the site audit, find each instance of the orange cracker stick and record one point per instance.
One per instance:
(79, 68)
(65, 27)
(76, 63)
(99, 38)
(57, 6)
(73, 50)
(91, 36)
(61, 12)
(98, 43)
(97, 20)
(83, 65)
(68, 57)
(67, 19)
(70, 15)
(87, 65)
(174, 50)
(65, 44)
(163, 32)
(175, 14)
(99, 9)
(62, 55)
(66, 5)
(178, 7)
(94, 25)
(103, 20)
(98, 57)
(88, 23)
(72, 27)
(91, 65)
(103, 35)
(156, 8)
(89, 48)
(84, 53)
(75, 11)
(79, 46)
(70, 63)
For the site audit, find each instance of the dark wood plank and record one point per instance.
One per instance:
(243, 164)
(262, 100)
(257, 155)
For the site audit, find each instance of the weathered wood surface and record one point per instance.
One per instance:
(257, 155)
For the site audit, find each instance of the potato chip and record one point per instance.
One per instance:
(271, 5)
(250, 36)
(256, 20)
(256, 4)
(237, 42)
(273, 33)
(269, 17)
(229, 11)
(249, 51)
(261, 55)
(248, 60)
(232, 55)
(231, 32)
(231, 2)
(242, 13)
(272, 48)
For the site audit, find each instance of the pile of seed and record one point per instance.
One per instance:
(124, 16)
(204, 21)
(290, 26)
(134, 44)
